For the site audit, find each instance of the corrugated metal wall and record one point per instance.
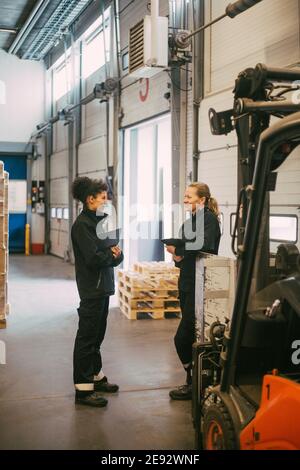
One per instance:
(286, 199)
(268, 33)
(92, 151)
(135, 109)
(189, 131)
(91, 157)
(59, 183)
(218, 163)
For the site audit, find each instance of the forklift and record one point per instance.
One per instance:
(246, 376)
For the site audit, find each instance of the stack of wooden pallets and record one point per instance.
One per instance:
(4, 306)
(149, 291)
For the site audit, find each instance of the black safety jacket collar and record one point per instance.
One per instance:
(93, 214)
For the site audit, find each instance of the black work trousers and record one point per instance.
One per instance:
(185, 336)
(91, 331)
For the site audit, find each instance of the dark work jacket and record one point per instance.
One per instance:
(209, 234)
(93, 265)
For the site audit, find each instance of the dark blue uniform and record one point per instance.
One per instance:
(201, 234)
(95, 282)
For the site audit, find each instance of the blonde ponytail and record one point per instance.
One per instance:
(213, 206)
(203, 190)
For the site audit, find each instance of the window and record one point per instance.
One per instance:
(53, 212)
(96, 44)
(61, 79)
(66, 213)
(125, 61)
(59, 213)
(284, 228)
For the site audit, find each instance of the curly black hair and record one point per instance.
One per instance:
(83, 187)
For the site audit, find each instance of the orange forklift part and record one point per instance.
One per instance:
(277, 422)
(27, 239)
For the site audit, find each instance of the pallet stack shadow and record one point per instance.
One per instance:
(149, 291)
(4, 306)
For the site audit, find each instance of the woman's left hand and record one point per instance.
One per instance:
(171, 249)
(116, 251)
(177, 259)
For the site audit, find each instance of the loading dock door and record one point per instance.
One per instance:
(147, 215)
(17, 200)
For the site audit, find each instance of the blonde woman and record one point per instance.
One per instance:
(201, 233)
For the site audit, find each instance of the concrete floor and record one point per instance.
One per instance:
(37, 409)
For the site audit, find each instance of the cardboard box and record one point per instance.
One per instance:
(5, 224)
(4, 220)
(3, 300)
(2, 185)
(3, 260)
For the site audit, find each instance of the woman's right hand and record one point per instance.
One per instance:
(116, 251)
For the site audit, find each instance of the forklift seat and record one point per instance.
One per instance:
(262, 344)
(262, 331)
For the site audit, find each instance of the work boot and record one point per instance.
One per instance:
(91, 399)
(182, 393)
(104, 386)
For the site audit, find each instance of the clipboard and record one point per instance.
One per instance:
(177, 242)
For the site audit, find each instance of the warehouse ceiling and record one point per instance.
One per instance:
(13, 15)
(38, 24)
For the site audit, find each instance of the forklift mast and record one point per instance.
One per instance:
(259, 94)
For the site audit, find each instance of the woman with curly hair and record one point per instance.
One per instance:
(94, 265)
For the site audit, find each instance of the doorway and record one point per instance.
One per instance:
(147, 195)
(16, 166)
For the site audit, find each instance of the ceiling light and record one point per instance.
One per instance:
(3, 29)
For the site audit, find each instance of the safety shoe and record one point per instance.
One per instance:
(92, 399)
(181, 393)
(104, 386)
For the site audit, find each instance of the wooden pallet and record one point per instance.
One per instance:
(154, 313)
(139, 281)
(139, 287)
(146, 302)
(149, 294)
(156, 268)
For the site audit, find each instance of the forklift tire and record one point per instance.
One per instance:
(218, 429)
